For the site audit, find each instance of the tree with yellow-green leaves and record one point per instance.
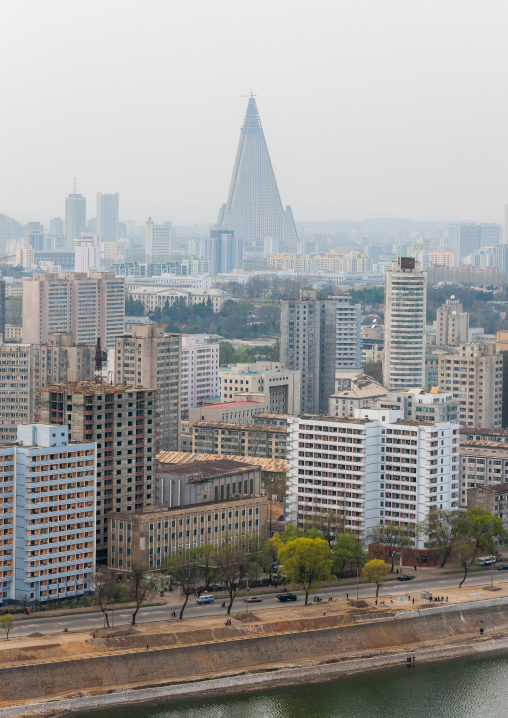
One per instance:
(375, 571)
(307, 561)
(7, 623)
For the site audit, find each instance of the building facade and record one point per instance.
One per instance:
(405, 319)
(475, 377)
(157, 241)
(210, 437)
(372, 470)
(452, 324)
(108, 222)
(147, 538)
(318, 338)
(121, 420)
(152, 359)
(199, 372)
(48, 520)
(75, 218)
(281, 385)
(89, 306)
(223, 251)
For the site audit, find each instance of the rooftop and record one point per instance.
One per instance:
(497, 489)
(241, 427)
(204, 471)
(485, 432)
(182, 457)
(91, 387)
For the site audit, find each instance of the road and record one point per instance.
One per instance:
(161, 613)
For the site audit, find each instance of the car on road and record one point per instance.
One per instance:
(404, 577)
(252, 599)
(286, 596)
(208, 598)
(503, 567)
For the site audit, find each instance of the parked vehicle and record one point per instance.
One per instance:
(404, 577)
(286, 597)
(503, 567)
(207, 598)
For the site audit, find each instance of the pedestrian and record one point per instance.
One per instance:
(94, 635)
(375, 602)
(415, 567)
(413, 599)
(413, 659)
(347, 596)
(447, 599)
(324, 611)
(391, 600)
(147, 646)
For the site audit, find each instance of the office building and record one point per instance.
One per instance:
(254, 209)
(75, 218)
(195, 482)
(122, 421)
(405, 318)
(34, 236)
(452, 324)
(469, 240)
(215, 437)
(371, 470)
(48, 521)
(153, 359)
(318, 338)
(475, 377)
(90, 307)
(57, 227)
(223, 251)
(148, 537)
(490, 234)
(157, 241)
(199, 372)
(108, 223)
(281, 386)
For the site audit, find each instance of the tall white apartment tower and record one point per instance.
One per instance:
(405, 310)
(108, 223)
(318, 338)
(157, 241)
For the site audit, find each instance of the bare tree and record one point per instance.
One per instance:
(394, 538)
(185, 567)
(141, 587)
(233, 566)
(106, 590)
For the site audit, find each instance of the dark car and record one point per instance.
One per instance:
(252, 599)
(503, 567)
(286, 596)
(405, 578)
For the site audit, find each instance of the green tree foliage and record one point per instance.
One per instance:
(369, 296)
(481, 527)
(14, 311)
(7, 624)
(133, 307)
(393, 538)
(348, 549)
(228, 354)
(375, 571)
(328, 524)
(269, 554)
(307, 562)
(374, 369)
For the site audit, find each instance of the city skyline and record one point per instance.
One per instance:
(354, 131)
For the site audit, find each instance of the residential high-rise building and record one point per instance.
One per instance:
(475, 377)
(85, 258)
(153, 359)
(57, 227)
(90, 307)
(200, 372)
(75, 218)
(353, 466)
(254, 209)
(48, 489)
(452, 324)
(121, 420)
(108, 222)
(157, 241)
(25, 368)
(34, 236)
(2, 308)
(281, 385)
(223, 251)
(469, 240)
(405, 319)
(318, 338)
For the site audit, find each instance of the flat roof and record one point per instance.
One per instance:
(204, 471)
(241, 427)
(182, 457)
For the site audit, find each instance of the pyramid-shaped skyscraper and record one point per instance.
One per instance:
(254, 209)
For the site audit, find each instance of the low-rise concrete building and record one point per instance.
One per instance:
(468, 433)
(281, 386)
(148, 537)
(353, 391)
(482, 463)
(198, 481)
(211, 437)
(238, 411)
(493, 499)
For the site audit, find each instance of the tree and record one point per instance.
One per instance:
(348, 549)
(141, 587)
(328, 523)
(463, 552)
(7, 624)
(393, 538)
(482, 527)
(14, 310)
(269, 554)
(374, 369)
(106, 590)
(206, 556)
(306, 561)
(185, 568)
(441, 529)
(233, 567)
(375, 571)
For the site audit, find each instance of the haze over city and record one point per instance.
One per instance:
(369, 109)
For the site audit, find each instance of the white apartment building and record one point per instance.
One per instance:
(200, 372)
(157, 241)
(371, 469)
(405, 319)
(452, 324)
(281, 385)
(90, 307)
(420, 404)
(84, 257)
(48, 486)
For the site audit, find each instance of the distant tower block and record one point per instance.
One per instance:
(254, 209)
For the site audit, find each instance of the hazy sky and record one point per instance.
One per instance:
(369, 107)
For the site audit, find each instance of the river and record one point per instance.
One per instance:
(474, 687)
